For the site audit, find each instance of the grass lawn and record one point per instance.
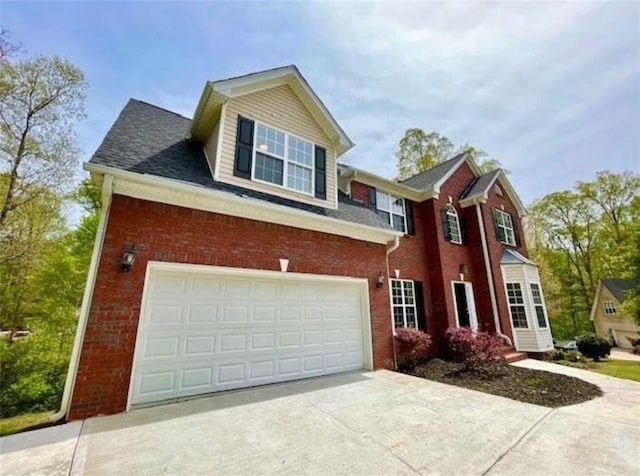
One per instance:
(617, 368)
(20, 422)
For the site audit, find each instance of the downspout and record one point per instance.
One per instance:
(107, 193)
(487, 265)
(391, 247)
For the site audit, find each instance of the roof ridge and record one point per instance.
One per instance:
(257, 72)
(159, 107)
(452, 159)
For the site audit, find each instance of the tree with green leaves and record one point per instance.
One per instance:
(40, 99)
(419, 151)
(582, 235)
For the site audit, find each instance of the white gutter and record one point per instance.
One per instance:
(487, 265)
(246, 207)
(107, 193)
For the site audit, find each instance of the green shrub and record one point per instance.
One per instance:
(573, 356)
(593, 346)
(33, 372)
(557, 355)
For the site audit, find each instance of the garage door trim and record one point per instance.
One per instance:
(158, 266)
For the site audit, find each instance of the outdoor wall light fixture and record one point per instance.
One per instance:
(128, 258)
(463, 271)
(380, 280)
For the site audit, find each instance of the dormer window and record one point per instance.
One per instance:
(391, 208)
(283, 159)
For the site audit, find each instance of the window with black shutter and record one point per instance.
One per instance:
(504, 227)
(244, 148)
(321, 172)
(411, 226)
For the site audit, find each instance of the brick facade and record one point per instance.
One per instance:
(174, 234)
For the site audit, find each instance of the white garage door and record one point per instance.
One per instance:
(206, 330)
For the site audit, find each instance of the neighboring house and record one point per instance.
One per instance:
(608, 319)
(259, 259)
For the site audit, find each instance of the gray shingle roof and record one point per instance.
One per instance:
(428, 178)
(618, 287)
(513, 257)
(481, 184)
(147, 139)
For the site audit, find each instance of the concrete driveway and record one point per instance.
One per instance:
(358, 423)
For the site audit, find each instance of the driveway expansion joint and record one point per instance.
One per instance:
(519, 440)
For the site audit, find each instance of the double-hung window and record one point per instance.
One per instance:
(391, 208)
(283, 159)
(609, 307)
(516, 306)
(536, 294)
(403, 296)
(504, 227)
(453, 232)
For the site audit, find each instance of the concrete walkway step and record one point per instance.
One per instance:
(515, 357)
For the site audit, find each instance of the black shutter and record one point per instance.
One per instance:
(499, 231)
(321, 173)
(421, 317)
(463, 228)
(516, 230)
(408, 210)
(445, 224)
(372, 197)
(244, 148)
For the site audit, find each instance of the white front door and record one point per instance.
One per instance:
(465, 304)
(205, 329)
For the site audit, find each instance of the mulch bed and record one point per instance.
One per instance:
(525, 385)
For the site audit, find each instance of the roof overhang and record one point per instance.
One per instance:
(387, 185)
(506, 186)
(183, 194)
(217, 93)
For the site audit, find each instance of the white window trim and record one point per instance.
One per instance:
(403, 305)
(543, 304)
(285, 160)
(390, 211)
(524, 305)
(609, 308)
(450, 210)
(509, 218)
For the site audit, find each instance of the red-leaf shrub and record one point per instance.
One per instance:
(474, 349)
(412, 347)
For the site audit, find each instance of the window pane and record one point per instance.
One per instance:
(397, 205)
(542, 322)
(382, 201)
(269, 140)
(300, 151)
(535, 293)
(398, 222)
(384, 215)
(299, 178)
(514, 292)
(268, 169)
(411, 316)
(519, 317)
(398, 316)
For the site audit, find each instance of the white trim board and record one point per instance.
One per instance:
(173, 192)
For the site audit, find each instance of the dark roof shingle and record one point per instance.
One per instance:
(427, 179)
(481, 184)
(147, 139)
(618, 287)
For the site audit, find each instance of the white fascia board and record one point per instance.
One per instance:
(484, 197)
(267, 79)
(173, 192)
(388, 185)
(596, 298)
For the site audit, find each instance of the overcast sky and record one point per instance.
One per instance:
(552, 90)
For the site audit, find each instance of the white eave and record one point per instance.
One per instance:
(217, 92)
(174, 192)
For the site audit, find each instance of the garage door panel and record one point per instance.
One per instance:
(202, 333)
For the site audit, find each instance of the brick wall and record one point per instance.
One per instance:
(174, 234)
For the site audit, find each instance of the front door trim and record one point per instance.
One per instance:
(471, 303)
